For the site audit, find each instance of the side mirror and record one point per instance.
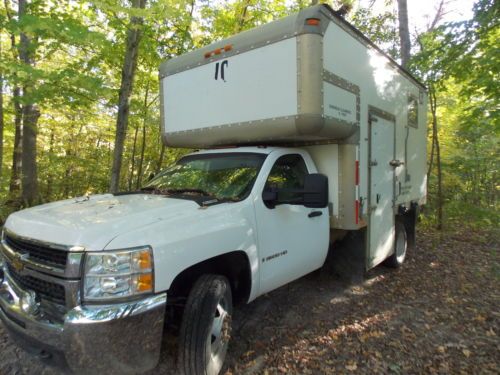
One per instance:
(270, 197)
(315, 191)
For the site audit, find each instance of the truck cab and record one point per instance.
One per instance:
(240, 213)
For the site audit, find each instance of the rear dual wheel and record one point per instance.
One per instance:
(400, 247)
(206, 326)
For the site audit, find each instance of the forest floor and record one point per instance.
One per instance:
(439, 313)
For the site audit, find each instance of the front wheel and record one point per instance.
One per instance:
(400, 246)
(206, 326)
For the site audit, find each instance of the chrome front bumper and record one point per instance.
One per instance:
(119, 338)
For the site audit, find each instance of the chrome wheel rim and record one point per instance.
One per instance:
(219, 334)
(400, 246)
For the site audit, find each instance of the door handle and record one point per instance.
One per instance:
(378, 198)
(315, 213)
(396, 163)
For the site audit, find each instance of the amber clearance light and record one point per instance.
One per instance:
(312, 21)
(218, 51)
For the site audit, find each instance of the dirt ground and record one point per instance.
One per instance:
(439, 313)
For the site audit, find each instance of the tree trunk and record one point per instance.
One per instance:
(128, 73)
(50, 176)
(15, 176)
(91, 181)
(432, 103)
(67, 172)
(30, 120)
(440, 202)
(132, 167)
(243, 16)
(1, 120)
(29, 168)
(143, 146)
(141, 161)
(436, 152)
(160, 159)
(404, 32)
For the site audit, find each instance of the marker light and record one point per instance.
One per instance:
(313, 21)
(218, 51)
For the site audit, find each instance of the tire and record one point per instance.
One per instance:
(400, 247)
(206, 326)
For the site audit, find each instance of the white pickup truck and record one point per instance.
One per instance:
(309, 131)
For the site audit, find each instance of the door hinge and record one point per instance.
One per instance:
(373, 163)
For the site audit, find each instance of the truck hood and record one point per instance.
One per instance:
(94, 221)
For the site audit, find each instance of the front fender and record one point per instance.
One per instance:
(195, 237)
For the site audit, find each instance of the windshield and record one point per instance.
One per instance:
(228, 176)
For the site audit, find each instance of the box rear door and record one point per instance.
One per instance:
(381, 190)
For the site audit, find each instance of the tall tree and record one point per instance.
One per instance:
(30, 116)
(435, 143)
(128, 73)
(404, 32)
(15, 173)
(1, 117)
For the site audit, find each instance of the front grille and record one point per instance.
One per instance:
(45, 289)
(38, 253)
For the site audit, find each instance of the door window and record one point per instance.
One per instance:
(288, 172)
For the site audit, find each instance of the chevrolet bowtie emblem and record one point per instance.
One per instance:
(18, 264)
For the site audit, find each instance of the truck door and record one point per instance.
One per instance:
(293, 239)
(381, 188)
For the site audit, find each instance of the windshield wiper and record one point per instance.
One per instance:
(188, 190)
(155, 190)
(216, 200)
(213, 199)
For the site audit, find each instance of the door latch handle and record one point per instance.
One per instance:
(378, 198)
(315, 213)
(396, 163)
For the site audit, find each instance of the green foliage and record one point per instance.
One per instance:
(381, 29)
(461, 61)
(79, 54)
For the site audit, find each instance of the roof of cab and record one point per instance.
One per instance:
(248, 149)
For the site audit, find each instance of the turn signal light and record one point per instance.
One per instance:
(312, 21)
(145, 261)
(144, 282)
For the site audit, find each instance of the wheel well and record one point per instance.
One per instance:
(234, 265)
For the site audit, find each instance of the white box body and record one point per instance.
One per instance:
(322, 87)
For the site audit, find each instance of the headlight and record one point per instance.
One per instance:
(118, 274)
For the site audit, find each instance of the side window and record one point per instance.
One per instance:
(288, 172)
(412, 112)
